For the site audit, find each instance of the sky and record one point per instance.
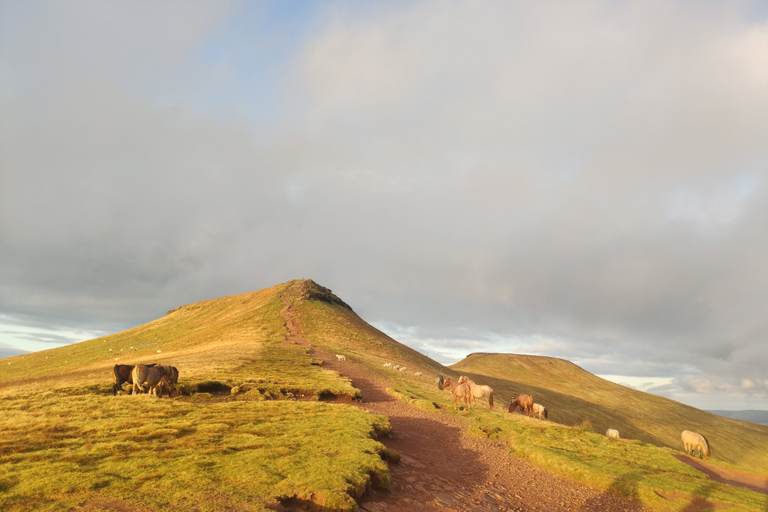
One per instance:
(584, 180)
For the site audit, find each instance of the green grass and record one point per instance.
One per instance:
(636, 470)
(573, 395)
(68, 444)
(59, 451)
(581, 406)
(244, 435)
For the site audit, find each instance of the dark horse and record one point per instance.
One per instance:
(524, 402)
(121, 374)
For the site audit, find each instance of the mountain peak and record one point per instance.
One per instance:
(306, 289)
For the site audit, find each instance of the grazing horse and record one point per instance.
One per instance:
(540, 411)
(152, 377)
(478, 391)
(172, 374)
(612, 433)
(524, 402)
(459, 391)
(693, 441)
(121, 374)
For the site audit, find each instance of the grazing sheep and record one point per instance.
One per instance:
(396, 367)
(612, 433)
(387, 365)
(341, 357)
(418, 374)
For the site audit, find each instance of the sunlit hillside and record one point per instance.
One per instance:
(573, 395)
(246, 432)
(255, 426)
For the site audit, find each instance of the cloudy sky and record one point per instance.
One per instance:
(586, 180)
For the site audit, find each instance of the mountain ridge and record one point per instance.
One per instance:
(232, 336)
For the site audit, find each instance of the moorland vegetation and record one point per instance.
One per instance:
(256, 424)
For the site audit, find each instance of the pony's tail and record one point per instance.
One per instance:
(116, 378)
(440, 382)
(490, 400)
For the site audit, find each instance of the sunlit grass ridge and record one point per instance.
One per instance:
(239, 440)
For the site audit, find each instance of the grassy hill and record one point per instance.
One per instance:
(250, 430)
(573, 395)
(247, 433)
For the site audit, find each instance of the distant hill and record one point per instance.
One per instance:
(573, 395)
(6, 351)
(748, 415)
(238, 339)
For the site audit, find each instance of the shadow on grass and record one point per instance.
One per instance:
(624, 486)
(700, 501)
(571, 410)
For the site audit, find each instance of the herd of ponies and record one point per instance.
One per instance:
(465, 390)
(154, 379)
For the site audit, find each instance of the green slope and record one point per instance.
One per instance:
(259, 445)
(573, 395)
(247, 433)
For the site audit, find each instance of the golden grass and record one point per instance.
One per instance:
(68, 444)
(59, 451)
(573, 395)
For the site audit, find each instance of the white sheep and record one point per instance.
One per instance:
(340, 357)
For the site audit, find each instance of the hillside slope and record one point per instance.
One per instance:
(248, 432)
(573, 395)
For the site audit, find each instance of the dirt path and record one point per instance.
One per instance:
(443, 469)
(735, 477)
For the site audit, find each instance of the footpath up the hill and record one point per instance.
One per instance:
(443, 469)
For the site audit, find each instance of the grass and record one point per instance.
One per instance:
(60, 451)
(581, 406)
(246, 434)
(636, 470)
(249, 433)
(573, 395)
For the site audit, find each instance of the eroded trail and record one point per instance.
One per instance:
(443, 469)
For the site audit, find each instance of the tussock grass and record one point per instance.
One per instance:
(245, 435)
(581, 407)
(636, 470)
(59, 451)
(573, 395)
(239, 439)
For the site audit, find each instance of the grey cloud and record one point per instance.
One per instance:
(490, 175)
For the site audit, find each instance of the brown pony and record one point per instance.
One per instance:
(459, 391)
(524, 402)
(152, 377)
(121, 374)
(172, 374)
